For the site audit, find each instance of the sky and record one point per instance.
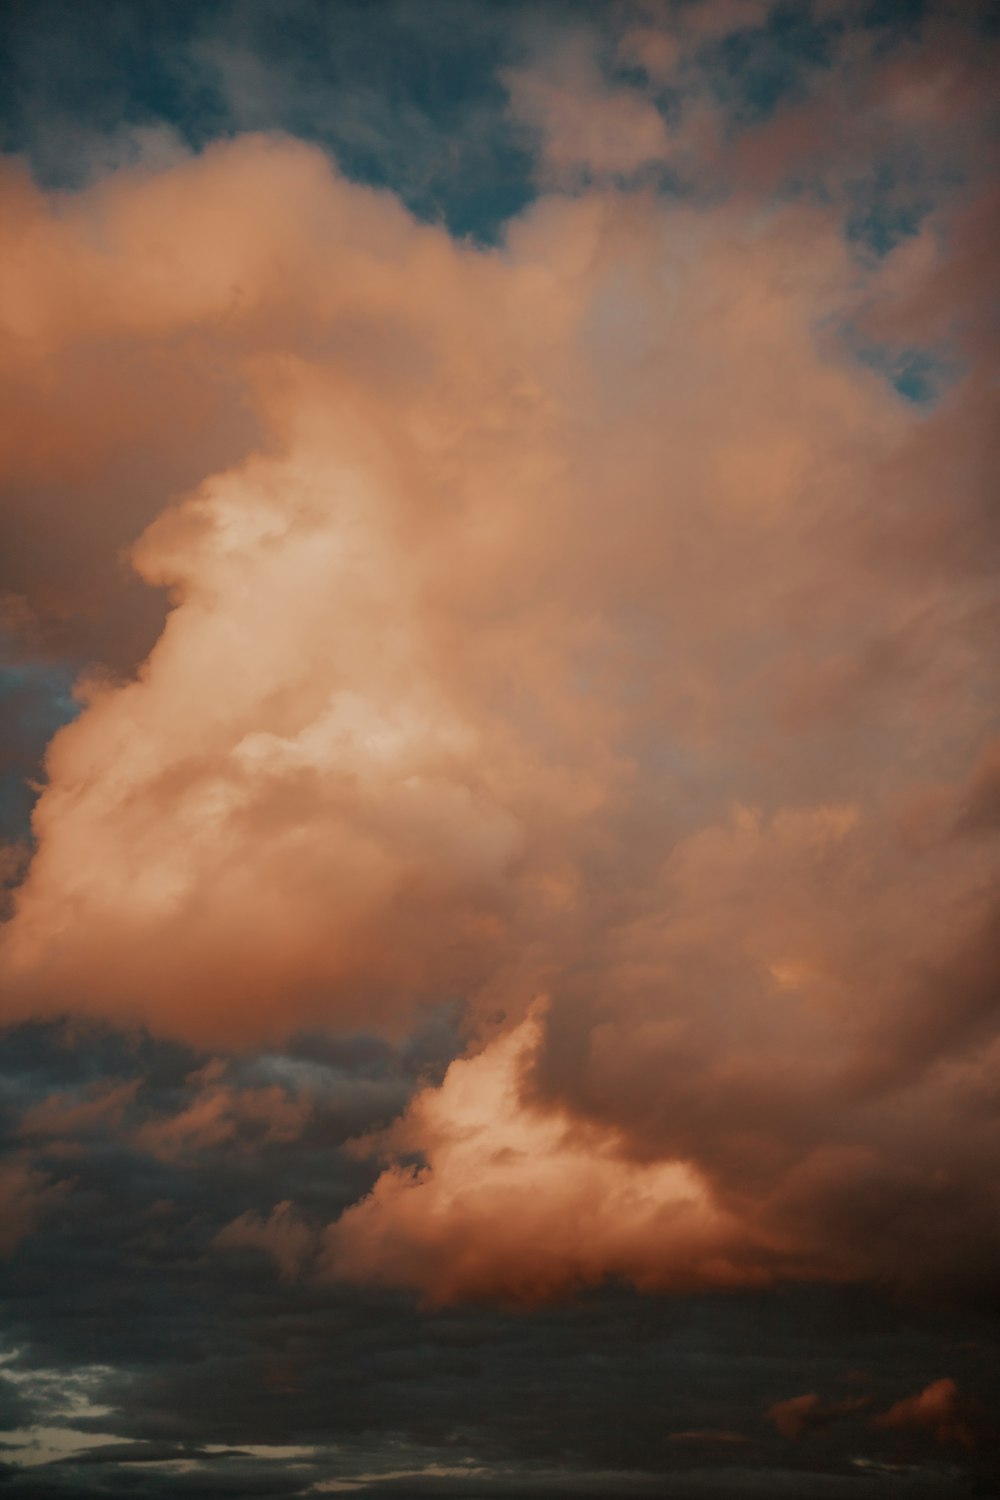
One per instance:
(499, 751)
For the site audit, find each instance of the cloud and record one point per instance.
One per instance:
(282, 1235)
(101, 406)
(575, 616)
(588, 128)
(980, 810)
(939, 1408)
(99, 1107)
(200, 1349)
(801, 1414)
(25, 1195)
(521, 1201)
(221, 1114)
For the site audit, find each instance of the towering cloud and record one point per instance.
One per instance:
(587, 616)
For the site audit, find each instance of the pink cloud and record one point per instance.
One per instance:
(586, 621)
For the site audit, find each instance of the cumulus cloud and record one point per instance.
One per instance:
(576, 616)
(519, 1200)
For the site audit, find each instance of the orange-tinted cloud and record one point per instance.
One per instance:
(588, 127)
(220, 1114)
(801, 1414)
(99, 1107)
(938, 1408)
(521, 1201)
(587, 620)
